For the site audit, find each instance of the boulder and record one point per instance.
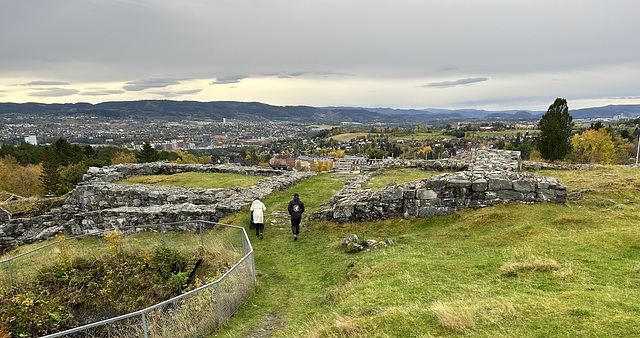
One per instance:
(353, 247)
(351, 239)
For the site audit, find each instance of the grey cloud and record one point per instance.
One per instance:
(313, 73)
(138, 85)
(177, 93)
(228, 79)
(102, 92)
(46, 83)
(189, 92)
(54, 92)
(460, 82)
(447, 69)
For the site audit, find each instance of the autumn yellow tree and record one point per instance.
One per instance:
(185, 158)
(315, 166)
(338, 153)
(593, 146)
(20, 180)
(326, 165)
(123, 157)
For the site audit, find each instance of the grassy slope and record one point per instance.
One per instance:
(443, 276)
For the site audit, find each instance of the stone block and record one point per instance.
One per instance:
(510, 195)
(500, 184)
(343, 211)
(479, 185)
(524, 186)
(426, 194)
(458, 183)
(392, 193)
(410, 194)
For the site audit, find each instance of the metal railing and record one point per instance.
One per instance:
(192, 314)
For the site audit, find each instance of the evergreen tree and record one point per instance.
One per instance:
(66, 153)
(554, 142)
(50, 177)
(147, 154)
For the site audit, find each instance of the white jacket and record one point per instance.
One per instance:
(258, 209)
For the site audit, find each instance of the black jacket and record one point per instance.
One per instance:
(296, 208)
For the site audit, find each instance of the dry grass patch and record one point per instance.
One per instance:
(533, 264)
(341, 327)
(455, 318)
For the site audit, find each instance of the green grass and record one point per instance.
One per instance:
(399, 176)
(577, 268)
(197, 180)
(541, 270)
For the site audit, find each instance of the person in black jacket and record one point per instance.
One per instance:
(296, 208)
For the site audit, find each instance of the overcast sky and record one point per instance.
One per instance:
(484, 54)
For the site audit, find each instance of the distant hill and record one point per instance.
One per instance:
(217, 110)
(606, 111)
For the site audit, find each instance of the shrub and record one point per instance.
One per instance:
(166, 262)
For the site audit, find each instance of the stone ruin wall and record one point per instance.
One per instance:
(98, 203)
(490, 178)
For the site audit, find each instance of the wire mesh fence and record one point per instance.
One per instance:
(192, 314)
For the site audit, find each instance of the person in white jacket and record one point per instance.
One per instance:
(257, 212)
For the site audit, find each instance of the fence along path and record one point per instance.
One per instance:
(195, 313)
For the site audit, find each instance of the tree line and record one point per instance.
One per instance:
(559, 140)
(37, 170)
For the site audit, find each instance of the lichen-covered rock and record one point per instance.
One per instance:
(371, 243)
(350, 239)
(353, 247)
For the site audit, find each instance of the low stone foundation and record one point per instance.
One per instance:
(440, 195)
(491, 177)
(98, 203)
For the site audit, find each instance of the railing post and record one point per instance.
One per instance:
(144, 325)
(218, 304)
(162, 229)
(253, 270)
(10, 272)
(201, 236)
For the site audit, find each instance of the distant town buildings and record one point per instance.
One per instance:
(31, 139)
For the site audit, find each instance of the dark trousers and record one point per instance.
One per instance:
(295, 226)
(259, 228)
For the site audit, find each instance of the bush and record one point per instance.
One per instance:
(166, 262)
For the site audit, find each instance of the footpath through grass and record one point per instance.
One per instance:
(510, 270)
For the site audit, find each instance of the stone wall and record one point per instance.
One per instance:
(440, 195)
(123, 171)
(98, 203)
(491, 177)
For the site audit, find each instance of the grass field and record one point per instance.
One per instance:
(540, 270)
(197, 180)
(511, 270)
